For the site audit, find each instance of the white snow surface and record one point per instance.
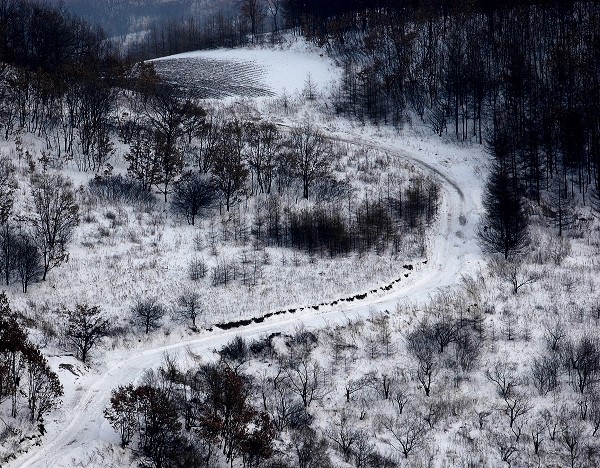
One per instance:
(282, 70)
(78, 432)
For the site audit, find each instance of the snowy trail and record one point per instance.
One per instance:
(452, 252)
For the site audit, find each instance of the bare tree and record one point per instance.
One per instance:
(228, 169)
(158, 423)
(235, 353)
(505, 444)
(310, 155)
(148, 313)
(434, 410)
(227, 414)
(353, 386)
(279, 400)
(516, 405)
(7, 188)
(43, 385)
(27, 260)
(189, 306)
(383, 384)
(384, 332)
(122, 412)
(544, 371)
(503, 375)
(514, 272)
(344, 436)
(365, 453)
(193, 195)
(310, 450)
(536, 429)
(144, 161)
(306, 380)
(443, 329)
(554, 334)
(87, 325)
(423, 348)
(168, 116)
(8, 250)
(510, 324)
(572, 439)
(468, 349)
(264, 145)
(583, 362)
(170, 161)
(594, 411)
(253, 12)
(193, 120)
(13, 340)
(197, 268)
(274, 7)
(402, 397)
(57, 215)
(310, 88)
(552, 421)
(408, 432)
(24, 371)
(208, 137)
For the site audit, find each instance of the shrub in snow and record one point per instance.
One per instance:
(121, 189)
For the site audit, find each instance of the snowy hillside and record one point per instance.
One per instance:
(367, 317)
(140, 255)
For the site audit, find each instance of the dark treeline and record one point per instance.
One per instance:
(197, 417)
(315, 17)
(525, 78)
(122, 16)
(43, 38)
(247, 22)
(324, 11)
(258, 20)
(168, 37)
(522, 76)
(334, 229)
(58, 79)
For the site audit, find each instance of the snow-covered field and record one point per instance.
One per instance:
(256, 72)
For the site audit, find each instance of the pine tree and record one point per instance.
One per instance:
(504, 225)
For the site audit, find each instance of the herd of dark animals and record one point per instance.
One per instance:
(358, 297)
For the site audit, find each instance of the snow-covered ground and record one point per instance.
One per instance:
(255, 72)
(79, 429)
(78, 434)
